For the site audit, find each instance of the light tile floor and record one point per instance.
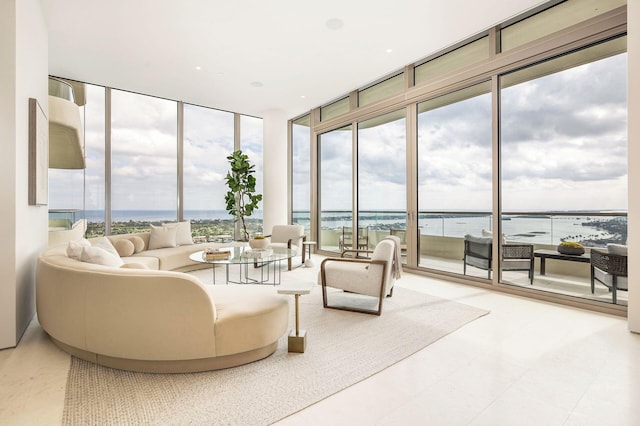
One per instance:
(526, 363)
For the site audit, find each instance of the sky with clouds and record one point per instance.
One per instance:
(563, 147)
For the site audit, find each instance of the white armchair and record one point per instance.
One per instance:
(372, 277)
(291, 237)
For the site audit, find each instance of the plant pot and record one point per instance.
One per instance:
(257, 244)
(570, 250)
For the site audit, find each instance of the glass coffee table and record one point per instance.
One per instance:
(268, 262)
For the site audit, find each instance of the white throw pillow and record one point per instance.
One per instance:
(74, 248)
(100, 256)
(183, 232)
(486, 233)
(105, 244)
(617, 249)
(162, 237)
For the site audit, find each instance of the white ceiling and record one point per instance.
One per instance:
(283, 46)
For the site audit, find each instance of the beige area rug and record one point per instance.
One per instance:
(343, 348)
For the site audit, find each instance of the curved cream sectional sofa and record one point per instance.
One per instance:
(154, 320)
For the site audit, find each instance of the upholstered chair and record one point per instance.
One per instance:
(374, 276)
(291, 237)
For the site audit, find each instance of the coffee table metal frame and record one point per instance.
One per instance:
(238, 257)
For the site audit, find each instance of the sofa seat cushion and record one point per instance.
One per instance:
(622, 283)
(171, 258)
(248, 317)
(149, 261)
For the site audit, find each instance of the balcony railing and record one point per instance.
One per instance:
(592, 229)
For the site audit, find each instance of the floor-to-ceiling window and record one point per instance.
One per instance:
(251, 144)
(382, 171)
(301, 173)
(454, 176)
(94, 139)
(335, 198)
(143, 161)
(208, 140)
(564, 161)
(142, 184)
(78, 194)
(504, 127)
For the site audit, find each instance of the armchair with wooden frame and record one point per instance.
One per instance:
(290, 237)
(374, 276)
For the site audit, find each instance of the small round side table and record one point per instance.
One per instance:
(307, 244)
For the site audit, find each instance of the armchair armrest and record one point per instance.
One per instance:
(356, 251)
(614, 264)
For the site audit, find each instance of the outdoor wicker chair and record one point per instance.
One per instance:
(515, 257)
(609, 269)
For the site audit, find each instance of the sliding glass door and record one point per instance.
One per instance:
(335, 153)
(382, 171)
(454, 176)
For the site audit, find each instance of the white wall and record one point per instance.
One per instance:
(275, 167)
(24, 70)
(633, 48)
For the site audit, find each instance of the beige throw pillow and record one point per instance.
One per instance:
(183, 232)
(162, 237)
(124, 247)
(138, 243)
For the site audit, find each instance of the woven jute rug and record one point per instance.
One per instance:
(343, 348)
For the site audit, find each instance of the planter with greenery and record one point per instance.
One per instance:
(241, 199)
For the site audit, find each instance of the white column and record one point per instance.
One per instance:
(275, 166)
(633, 102)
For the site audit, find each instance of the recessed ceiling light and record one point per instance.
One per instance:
(334, 23)
(302, 96)
(198, 68)
(389, 50)
(257, 84)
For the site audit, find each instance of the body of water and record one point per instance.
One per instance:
(161, 215)
(543, 229)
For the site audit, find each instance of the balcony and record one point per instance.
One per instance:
(441, 242)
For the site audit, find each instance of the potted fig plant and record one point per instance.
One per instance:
(241, 199)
